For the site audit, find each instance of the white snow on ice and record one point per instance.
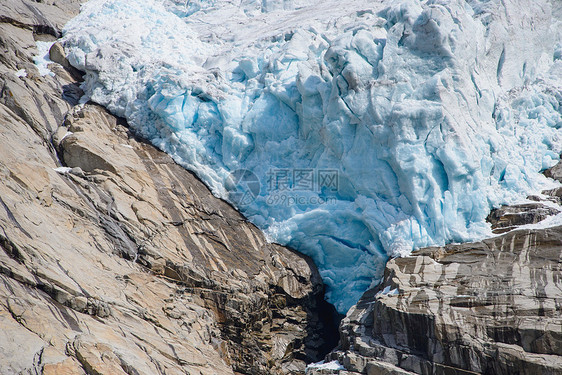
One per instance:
(66, 135)
(42, 59)
(388, 292)
(62, 170)
(333, 365)
(431, 112)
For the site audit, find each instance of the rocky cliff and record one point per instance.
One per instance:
(491, 307)
(113, 259)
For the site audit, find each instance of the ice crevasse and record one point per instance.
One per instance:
(371, 127)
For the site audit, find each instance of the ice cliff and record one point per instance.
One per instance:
(352, 131)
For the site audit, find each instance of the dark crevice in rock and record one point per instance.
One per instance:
(10, 248)
(323, 333)
(43, 25)
(475, 308)
(72, 93)
(13, 219)
(11, 21)
(322, 341)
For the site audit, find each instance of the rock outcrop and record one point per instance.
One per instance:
(115, 260)
(492, 307)
(507, 218)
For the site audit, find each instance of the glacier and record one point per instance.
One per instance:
(407, 121)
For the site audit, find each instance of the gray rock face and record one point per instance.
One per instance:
(492, 307)
(507, 218)
(554, 172)
(113, 259)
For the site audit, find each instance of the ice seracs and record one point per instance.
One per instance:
(426, 113)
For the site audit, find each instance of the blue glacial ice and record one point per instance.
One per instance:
(430, 112)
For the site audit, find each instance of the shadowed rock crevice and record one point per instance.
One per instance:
(491, 307)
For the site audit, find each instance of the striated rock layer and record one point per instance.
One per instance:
(491, 307)
(113, 259)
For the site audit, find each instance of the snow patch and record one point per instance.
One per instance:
(21, 73)
(42, 59)
(388, 292)
(333, 365)
(62, 170)
(66, 135)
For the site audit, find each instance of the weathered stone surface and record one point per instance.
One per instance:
(42, 17)
(492, 307)
(113, 259)
(507, 218)
(555, 172)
